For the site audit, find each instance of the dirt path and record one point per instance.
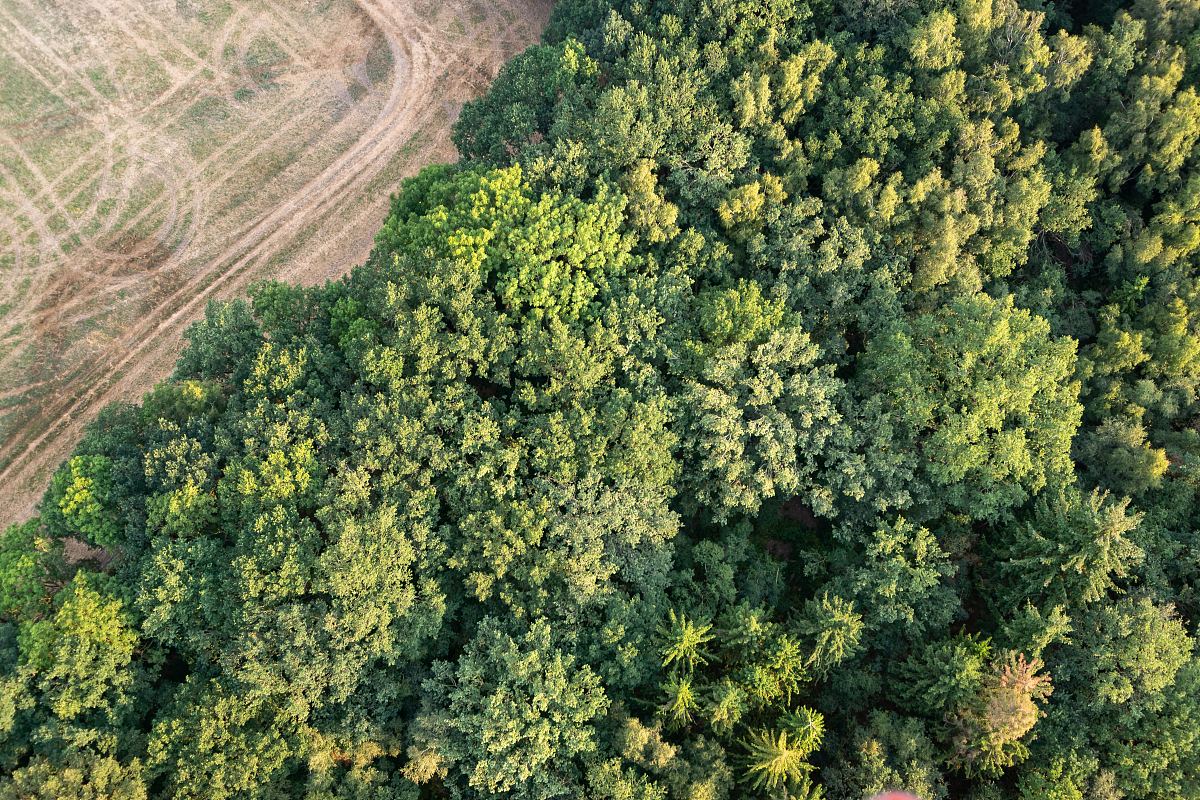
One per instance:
(429, 68)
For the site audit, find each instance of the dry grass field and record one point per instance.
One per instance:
(156, 154)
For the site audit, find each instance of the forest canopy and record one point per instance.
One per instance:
(779, 399)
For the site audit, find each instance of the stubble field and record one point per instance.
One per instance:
(156, 155)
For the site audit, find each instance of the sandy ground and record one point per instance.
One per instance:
(157, 154)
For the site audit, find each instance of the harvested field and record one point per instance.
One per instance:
(158, 154)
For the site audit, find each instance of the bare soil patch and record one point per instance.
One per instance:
(156, 155)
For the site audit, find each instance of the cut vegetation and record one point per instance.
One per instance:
(154, 158)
